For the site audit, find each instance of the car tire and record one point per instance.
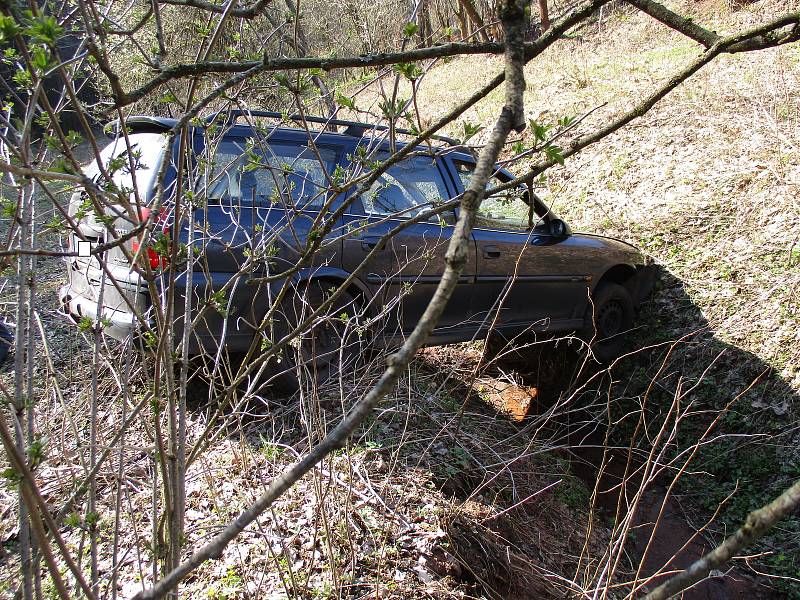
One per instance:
(321, 349)
(607, 320)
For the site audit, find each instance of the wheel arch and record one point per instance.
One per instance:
(621, 274)
(336, 277)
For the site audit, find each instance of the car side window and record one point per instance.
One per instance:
(504, 210)
(277, 173)
(406, 189)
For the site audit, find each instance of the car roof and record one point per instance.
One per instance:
(143, 123)
(354, 130)
(149, 123)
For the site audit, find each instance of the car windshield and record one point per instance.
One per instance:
(146, 150)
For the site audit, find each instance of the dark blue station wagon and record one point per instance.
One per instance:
(261, 193)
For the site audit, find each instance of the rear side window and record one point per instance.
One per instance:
(145, 153)
(406, 189)
(278, 173)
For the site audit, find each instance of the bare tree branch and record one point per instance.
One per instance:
(457, 255)
(767, 38)
(253, 67)
(762, 34)
(304, 62)
(545, 14)
(475, 17)
(245, 12)
(756, 525)
(685, 25)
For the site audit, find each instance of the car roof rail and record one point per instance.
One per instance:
(352, 128)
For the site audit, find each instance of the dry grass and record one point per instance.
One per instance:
(707, 183)
(406, 511)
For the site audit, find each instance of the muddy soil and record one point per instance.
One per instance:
(675, 544)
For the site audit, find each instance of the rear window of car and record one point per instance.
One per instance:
(243, 172)
(137, 162)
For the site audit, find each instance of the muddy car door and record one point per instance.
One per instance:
(531, 276)
(404, 271)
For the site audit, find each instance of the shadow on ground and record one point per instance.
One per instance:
(518, 488)
(749, 456)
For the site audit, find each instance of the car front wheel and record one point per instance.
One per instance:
(608, 320)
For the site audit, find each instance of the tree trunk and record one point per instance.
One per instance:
(424, 20)
(476, 19)
(545, 15)
(300, 46)
(463, 28)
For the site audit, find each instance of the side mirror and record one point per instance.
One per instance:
(558, 228)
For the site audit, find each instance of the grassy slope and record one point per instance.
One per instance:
(707, 183)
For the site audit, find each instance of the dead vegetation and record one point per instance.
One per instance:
(707, 183)
(405, 510)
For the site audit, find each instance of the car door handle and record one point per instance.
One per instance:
(491, 252)
(368, 243)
